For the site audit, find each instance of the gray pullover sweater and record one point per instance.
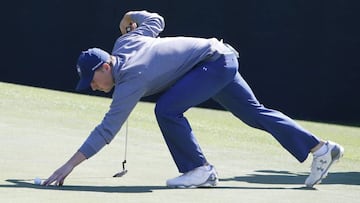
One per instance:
(147, 64)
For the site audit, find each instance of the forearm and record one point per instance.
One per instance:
(76, 159)
(60, 174)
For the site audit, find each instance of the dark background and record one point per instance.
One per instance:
(300, 57)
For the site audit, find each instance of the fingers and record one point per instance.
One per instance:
(61, 182)
(58, 176)
(126, 28)
(132, 26)
(52, 179)
(48, 181)
(125, 21)
(57, 180)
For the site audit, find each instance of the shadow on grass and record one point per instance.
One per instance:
(264, 177)
(16, 183)
(286, 177)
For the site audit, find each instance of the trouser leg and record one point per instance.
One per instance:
(200, 84)
(238, 98)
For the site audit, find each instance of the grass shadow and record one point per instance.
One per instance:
(21, 183)
(264, 177)
(286, 177)
(16, 183)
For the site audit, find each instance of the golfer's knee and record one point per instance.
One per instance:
(161, 111)
(252, 119)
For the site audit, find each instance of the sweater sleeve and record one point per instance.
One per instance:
(125, 98)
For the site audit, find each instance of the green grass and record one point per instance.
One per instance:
(41, 129)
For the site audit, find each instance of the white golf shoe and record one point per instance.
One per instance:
(321, 164)
(203, 176)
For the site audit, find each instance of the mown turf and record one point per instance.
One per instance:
(41, 129)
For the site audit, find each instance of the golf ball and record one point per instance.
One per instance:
(37, 181)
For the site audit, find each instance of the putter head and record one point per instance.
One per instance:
(120, 174)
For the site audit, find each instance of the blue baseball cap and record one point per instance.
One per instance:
(88, 62)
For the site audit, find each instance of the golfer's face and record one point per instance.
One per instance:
(102, 80)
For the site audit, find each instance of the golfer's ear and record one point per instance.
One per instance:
(106, 66)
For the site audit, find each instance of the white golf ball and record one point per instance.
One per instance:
(37, 181)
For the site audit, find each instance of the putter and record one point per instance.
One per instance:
(124, 171)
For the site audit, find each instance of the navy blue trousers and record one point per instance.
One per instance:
(221, 81)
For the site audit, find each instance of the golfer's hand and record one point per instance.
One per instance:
(127, 24)
(59, 175)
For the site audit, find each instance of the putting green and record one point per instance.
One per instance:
(41, 129)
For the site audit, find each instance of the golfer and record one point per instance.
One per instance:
(186, 71)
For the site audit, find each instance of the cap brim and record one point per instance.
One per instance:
(83, 84)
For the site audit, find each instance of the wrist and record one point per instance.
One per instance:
(76, 159)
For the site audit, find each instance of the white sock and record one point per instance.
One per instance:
(321, 151)
(207, 167)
